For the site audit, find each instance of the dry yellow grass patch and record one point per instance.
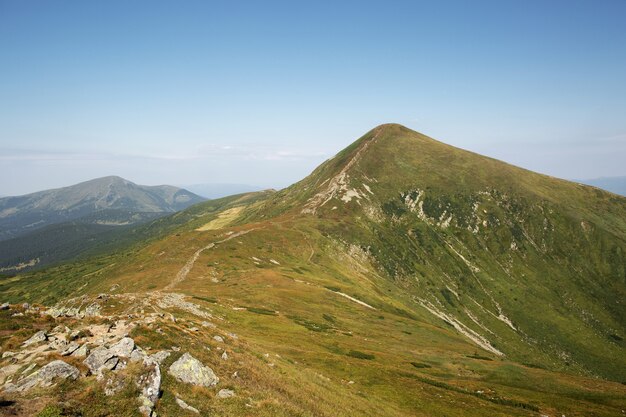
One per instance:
(223, 219)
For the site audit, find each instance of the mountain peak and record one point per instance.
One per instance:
(23, 214)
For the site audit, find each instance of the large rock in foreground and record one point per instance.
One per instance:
(101, 358)
(191, 371)
(150, 385)
(45, 377)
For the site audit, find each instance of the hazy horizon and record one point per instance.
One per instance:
(261, 94)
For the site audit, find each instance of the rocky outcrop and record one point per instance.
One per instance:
(38, 337)
(100, 359)
(70, 348)
(150, 385)
(123, 348)
(45, 377)
(191, 371)
(82, 351)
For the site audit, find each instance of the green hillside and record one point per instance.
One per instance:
(403, 277)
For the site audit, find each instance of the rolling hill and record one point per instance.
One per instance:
(91, 200)
(402, 277)
(55, 225)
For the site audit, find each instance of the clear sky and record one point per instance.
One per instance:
(187, 92)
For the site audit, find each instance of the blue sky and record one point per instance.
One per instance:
(262, 92)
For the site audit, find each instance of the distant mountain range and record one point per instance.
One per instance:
(615, 185)
(53, 225)
(105, 201)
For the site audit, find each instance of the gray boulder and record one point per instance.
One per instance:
(38, 337)
(160, 356)
(150, 385)
(100, 359)
(186, 406)
(70, 348)
(45, 376)
(138, 355)
(4, 306)
(81, 352)
(123, 348)
(226, 393)
(191, 371)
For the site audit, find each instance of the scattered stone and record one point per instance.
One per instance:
(20, 314)
(218, 339)
(186, 406)
(207, 324)
(274, 262)
(25, 306)
(55, 312)
(138, 355)
(235, 374)
(150, 384)
(160, 356)
(60, 329)
(74, 335)
(190, 370)
(45, 376)
(92, 311)
(8, 354)
(4, 306)
(233, 336)
(123, 348)
(101, 358)
(57, 344)
(38, 337)
(176, 348)
(82, 351)
(226, 393)
(193, 329)
(70, 348)
(224, 356)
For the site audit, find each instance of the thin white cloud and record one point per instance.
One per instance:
(203, 153)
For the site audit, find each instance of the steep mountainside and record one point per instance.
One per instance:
(402, 277)
(91, 200)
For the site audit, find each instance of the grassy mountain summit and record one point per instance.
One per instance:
(402, 277)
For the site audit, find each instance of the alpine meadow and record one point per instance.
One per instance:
(313, 209)
(402, 277)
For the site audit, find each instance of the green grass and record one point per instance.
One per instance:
(548, 255)
(360, 355)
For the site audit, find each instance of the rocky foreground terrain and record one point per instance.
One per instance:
(85, 340)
